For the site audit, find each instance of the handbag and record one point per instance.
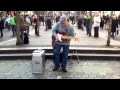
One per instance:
(107, 27)
(34, 24)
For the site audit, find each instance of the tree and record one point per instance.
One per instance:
(91, 19)
(38, 22)
(109, 31)
(17, 20)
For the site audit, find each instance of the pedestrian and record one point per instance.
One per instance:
(49, 22)
(87, 22)
(119, 19)
(107, 19)
(79, 22)
(42, 19)
(13, 24)
(102, 23)
(97, 21)
(72, 18)
(30, 19)
(62, 27)
(20, 22)
(1, 26)
(28, 23)
(114, 26)
(57, 18)
(35, 23)
(4, 18)
(68, 18)
(7, 22)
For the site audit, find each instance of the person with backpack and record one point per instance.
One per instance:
(20, 23)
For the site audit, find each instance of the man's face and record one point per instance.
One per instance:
(64, 23)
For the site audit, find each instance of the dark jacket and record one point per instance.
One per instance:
(87, 21)
(102, 22)
(114, 25)
(1, 24)
(57, 18)
(40, 18)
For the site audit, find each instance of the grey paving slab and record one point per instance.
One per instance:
(20, 70)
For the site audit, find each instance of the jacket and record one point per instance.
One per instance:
(1, 24)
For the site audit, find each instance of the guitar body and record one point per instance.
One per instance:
(53, 38)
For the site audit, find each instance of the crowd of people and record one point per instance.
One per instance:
(84, 20)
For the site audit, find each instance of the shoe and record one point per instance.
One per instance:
(55, 68)
(64, 70)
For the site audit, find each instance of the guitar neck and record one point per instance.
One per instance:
(70, 37)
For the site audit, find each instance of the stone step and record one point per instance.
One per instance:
(82, 56)
(50, 50)
(90, 56)
(21, 56)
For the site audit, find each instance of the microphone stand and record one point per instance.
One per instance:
(74, 53)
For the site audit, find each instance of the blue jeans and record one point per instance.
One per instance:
(64, 57)
(22, 34)
(87, 28)
(13, 29)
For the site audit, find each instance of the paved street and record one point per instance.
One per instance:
(22, 69)
(45, 38)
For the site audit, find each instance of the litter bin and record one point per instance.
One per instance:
(38, 61)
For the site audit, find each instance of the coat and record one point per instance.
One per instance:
(1, 24)
(102, 22)
(19, 20)
(114, 25)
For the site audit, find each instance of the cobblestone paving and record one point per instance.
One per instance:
(22, 69)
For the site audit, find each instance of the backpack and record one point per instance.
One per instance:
(26, 38)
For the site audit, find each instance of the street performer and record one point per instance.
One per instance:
(62, 32)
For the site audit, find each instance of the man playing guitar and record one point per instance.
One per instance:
(62, 33)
